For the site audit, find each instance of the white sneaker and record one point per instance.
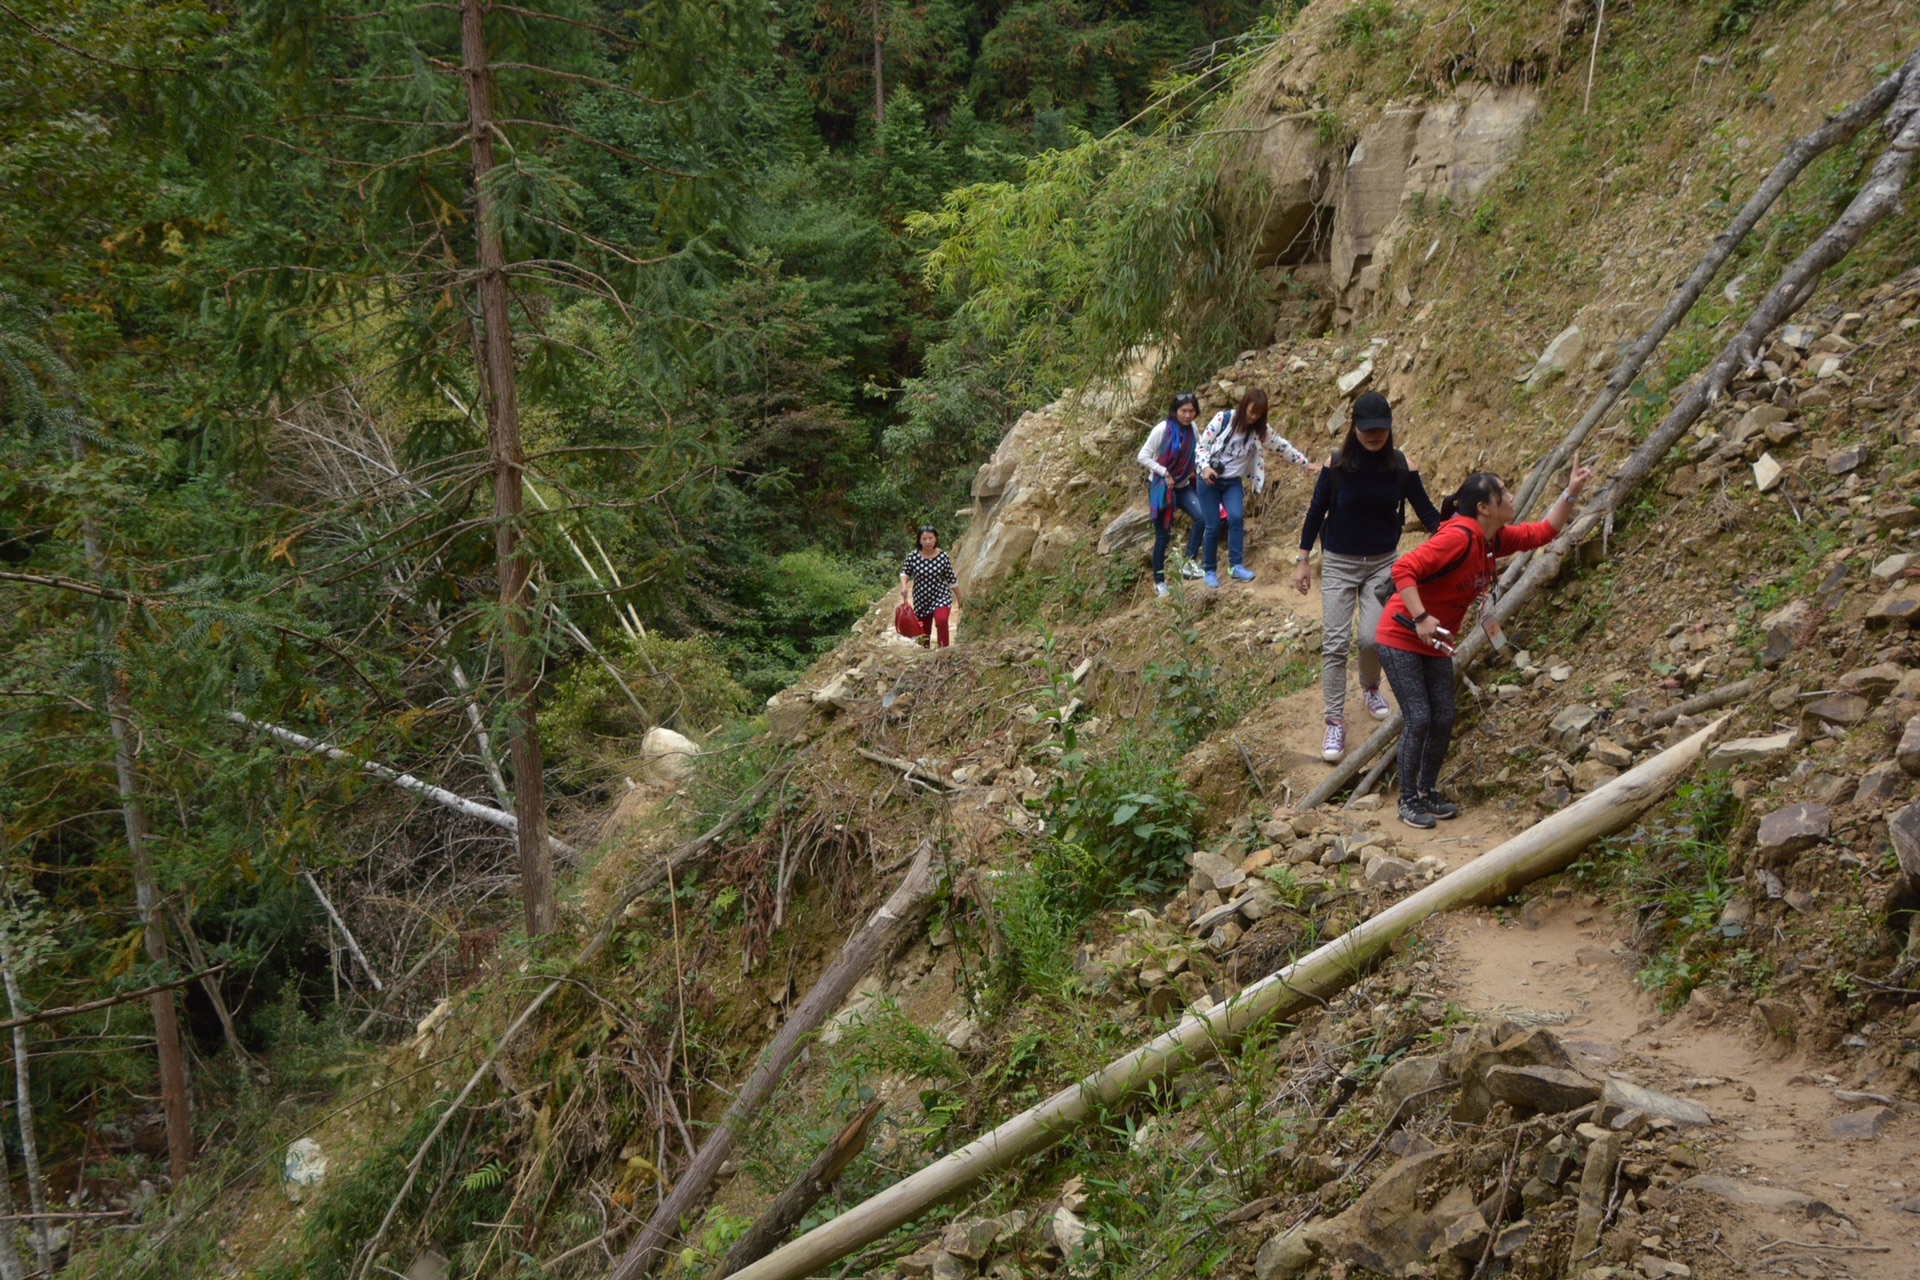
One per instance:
(1192, 569)
(1160, 589)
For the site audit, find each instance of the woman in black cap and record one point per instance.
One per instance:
(1358, 509)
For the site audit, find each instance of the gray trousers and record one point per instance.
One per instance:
(1348, 583)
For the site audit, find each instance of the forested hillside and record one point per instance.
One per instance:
(471, 387)
(465, 810)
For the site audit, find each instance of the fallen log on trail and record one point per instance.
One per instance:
(791, 1205)
(1877, 197)
(901, 909)
(1542, 849)
(405, 781)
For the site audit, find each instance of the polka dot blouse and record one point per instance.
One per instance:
(933, 580)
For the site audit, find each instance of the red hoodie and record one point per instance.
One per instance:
(1448, 595)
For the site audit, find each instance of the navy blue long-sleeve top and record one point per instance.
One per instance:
(1358, 512)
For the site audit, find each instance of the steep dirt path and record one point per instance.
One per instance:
(1559, 966)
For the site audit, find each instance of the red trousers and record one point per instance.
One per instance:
(936, 621)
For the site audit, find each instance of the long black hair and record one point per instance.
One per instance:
(1180, 398)
(926, 528)
(1477, 489)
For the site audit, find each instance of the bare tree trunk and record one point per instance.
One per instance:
(23, 1095)
(879, 69)
(791, 1205)
(146, 894)
(522, 661)
(690, 1190)
(10, 1268)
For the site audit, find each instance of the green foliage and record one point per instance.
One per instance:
(1373, 28)
(684, 684)
(1676, 872)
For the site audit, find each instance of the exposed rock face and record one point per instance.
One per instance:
(1349, 215)
(1369, 194)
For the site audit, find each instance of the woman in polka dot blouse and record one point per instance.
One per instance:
(928, 583)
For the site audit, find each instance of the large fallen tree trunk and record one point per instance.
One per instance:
(1541, 850)
(405, 781)
(1876, 198)
(1801, 152)
(904, 906)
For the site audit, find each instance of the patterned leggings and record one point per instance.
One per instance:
(1424, 687)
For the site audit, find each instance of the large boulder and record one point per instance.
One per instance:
(1562, 354)
(303, 1168)
(1464, 141)
(667, 757)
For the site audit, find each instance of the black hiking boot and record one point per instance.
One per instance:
(1414, 814)
(1438, 805)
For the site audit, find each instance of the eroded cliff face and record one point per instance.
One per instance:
(1338, 213)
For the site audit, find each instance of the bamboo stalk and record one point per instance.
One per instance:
(353, 944)
(902, 908)
(1541, 850)
(49, 1015)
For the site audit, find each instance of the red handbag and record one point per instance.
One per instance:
(907, 622)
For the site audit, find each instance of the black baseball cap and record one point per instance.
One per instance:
(1371, 412)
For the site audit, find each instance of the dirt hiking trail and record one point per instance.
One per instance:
(1778, 1117)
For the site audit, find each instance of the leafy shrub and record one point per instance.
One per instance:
(683, 684)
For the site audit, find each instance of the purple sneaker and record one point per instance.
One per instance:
(1334, 745)
(1376, 704)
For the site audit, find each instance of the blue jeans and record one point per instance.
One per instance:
(1187, 500)
(1211, 497)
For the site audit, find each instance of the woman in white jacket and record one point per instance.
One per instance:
(1231, 449)
(1171, 479)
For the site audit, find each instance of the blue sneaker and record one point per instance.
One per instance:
(1213, 579)
(1242, 574)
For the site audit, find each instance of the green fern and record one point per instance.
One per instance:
(486, 1177)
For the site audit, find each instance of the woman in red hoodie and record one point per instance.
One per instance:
(1437, 581)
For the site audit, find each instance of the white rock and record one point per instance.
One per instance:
(1348, 383)
(1560, 674)
(305, 1167)
(1767, 473)
(1892, 567)
(668, 756)
(1561, 354)
(1746, 750)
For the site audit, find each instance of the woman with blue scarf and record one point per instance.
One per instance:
(1168, 457)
